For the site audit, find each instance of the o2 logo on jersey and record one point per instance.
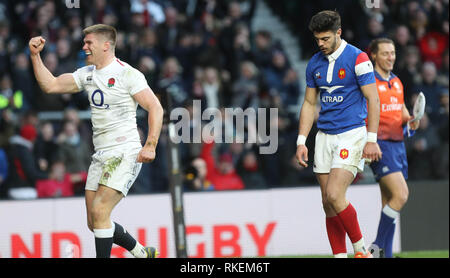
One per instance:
(341, 73)
(98, 99)
(344, 153)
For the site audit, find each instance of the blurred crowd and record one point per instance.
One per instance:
(200, 50)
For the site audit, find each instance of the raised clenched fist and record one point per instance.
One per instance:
(36, 45)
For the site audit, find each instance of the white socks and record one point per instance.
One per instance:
(390, 212)
(359, 246)
(104, 233)
(139, 251)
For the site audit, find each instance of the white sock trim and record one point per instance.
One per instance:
(341, 255)
(390, 212)
(104, 233)
(359, 246)
(138, 251)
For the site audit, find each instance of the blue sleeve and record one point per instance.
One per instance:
(366, 79)
(408, 132)
(310, 75)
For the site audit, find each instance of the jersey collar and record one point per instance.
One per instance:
(107, 67)
(379, 77)
(333, 56)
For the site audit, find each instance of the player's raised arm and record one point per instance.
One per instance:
(305, 123)
(147, 99)
(372, 150)
(64, 83)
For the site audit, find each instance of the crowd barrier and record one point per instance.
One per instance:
(249, 223)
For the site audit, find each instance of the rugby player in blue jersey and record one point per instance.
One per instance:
(342, 77)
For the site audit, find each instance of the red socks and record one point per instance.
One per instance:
(350, 222)
(336, 235)
(346, 222)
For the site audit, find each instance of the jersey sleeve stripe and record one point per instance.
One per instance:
(362, 57)
(363, 68)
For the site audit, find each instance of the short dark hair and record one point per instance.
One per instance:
(325, 21)
(375, 44)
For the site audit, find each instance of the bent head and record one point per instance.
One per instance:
(326, 28)
(99, 43)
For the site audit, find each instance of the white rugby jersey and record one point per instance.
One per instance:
(113, 107)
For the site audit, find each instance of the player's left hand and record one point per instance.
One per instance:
(372, 151)
(146, 154)
(413, 124)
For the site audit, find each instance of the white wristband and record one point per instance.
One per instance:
(301, 139)
(371, 137)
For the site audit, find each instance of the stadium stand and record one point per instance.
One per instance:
(206, 50)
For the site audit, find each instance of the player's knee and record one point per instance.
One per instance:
(99, 213)
(405, 196)
(327, 208)
(402, 197)
(335, 200)
(332, 197)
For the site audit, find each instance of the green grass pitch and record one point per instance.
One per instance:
(406, 254)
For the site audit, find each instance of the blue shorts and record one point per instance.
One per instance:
(393, 160)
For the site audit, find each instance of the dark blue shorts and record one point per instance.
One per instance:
(392, 160)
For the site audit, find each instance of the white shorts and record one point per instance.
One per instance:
(342, 150)
(115, 168)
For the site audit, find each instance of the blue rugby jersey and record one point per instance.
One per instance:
(339, 77)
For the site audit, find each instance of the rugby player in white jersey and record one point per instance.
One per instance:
(114, 89)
